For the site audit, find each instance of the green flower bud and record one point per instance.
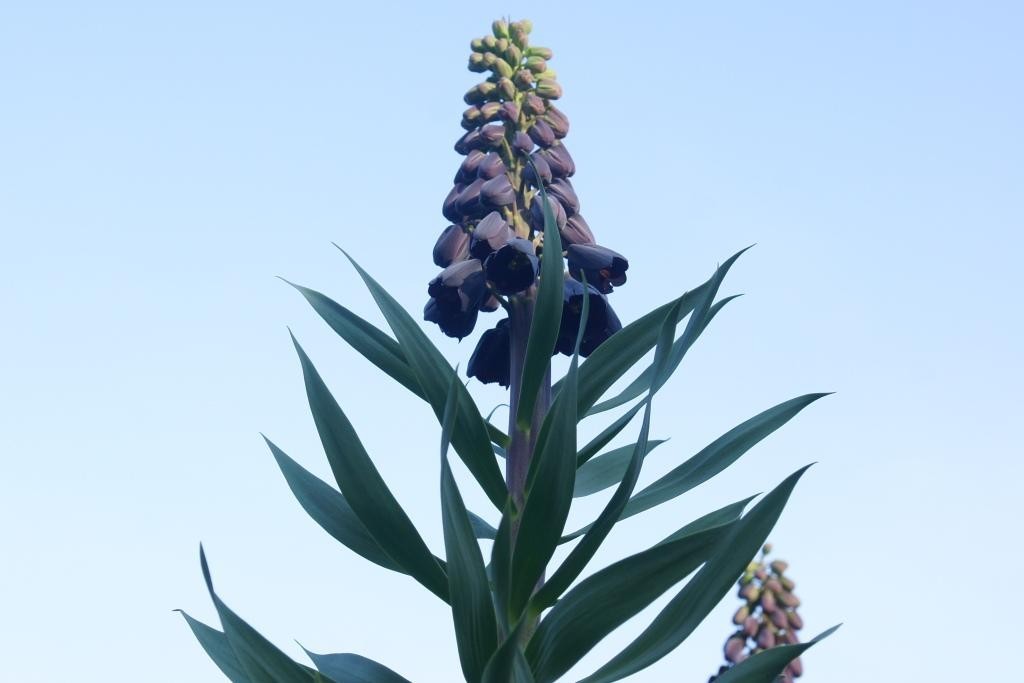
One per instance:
(513, 55)
(500, 28)
(501, 46)
(519, 37)
(547, 74)
(787, 583)
(741, 615)
(480, 93)
(525, 24)
(788, 599)
(767, 548)
(523, 79)
(773, 585)
(477, 45)
(750, 593)
(476, 63)
(471, 118)
(490, 42)
(549, 89)
(506, 88)
(536, 64)
(542, 52)
(502, 68)
(795, 621)
(490, 110)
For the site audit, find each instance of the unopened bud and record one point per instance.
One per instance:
(741, 614)
(576, 231)
(533, 105)
(563, 190)
(558, 121)
(467, 170)
(502, 68)
(490, 166)
(525, 24)
(541, 133)
(779, 618)
(767, 548)
(538, 51)
(750, 593)
(500, 28)
(471, 118)
(448, 209)
(523, 79)
(510, 111)
(558, 157)
(477, 45)
(451, 246)
(787, 583)
(789, 599)
(779, 566)
(522, 142)
(543, 170)
(750, 626)
(550, 90)
(520, 36)
(768, 603)
(734, 649)
(547, 74)
(498, 192)
(479, 93)
(773, 585)
(536, 64)
(513, 55)
(765, 638)
(795, 621)
(490, 110)
(507, 88)
(476, 63)
(796, 668)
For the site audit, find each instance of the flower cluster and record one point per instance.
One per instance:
(513, 145)
(768, 616)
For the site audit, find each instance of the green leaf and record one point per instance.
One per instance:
(716, 578)
(721, 517)
(476, 631)
(584, 551)
(508, 664)
(608, 598)
(717, 456)
(365, 490)
(607, 469)
(607, 434)
(218, 648)
(330, 510)
(481, 527)
(766, 666)
(261, 660)
(612, 359)
(346, 667)
(471, 437)
(690, 335)
(501, 564)
(547, 317)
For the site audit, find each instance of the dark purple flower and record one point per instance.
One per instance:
(449, 210)
(601, 320)
(561, 163)
(542, 133)
(533, 105)
(451, 246)
(576, 231)
(468, 203)
(491, 360)
(602, 266)
(497, 192)
(468, 142)
(510, 112)
(512, 268)
(522, 143)
(492, 134)
(490, 234)
(490, 166)
(453, 324)
(543, 169)
(558, 121)
(563, 191)
(467, 169)
(537, 212)
(456, 296)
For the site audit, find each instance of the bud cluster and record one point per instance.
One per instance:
(767, 618)
(514, 145)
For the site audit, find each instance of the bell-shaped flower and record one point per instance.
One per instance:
(602, 267)
(490, 234)
(453, 324)
(456, 296)
(452, 246)
(512, 268)
(601, 319)
(491, 360)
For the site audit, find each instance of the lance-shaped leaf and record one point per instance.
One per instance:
(693, 603)
(508, 665)
(613, 359)
(218, 649)
(374, 345)
(607, 469)
(470, 437)
(481, 528)
(345, 667)
(261, 660)
(718, 455)
(641, 384)
(547, 315)
(330, 510)
(364, 489)
(549, 485)
(476, 631)
(584, 551)
(607, 434)
(607, 599)
(766, 666)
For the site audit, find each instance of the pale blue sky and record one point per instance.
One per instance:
(161, 162)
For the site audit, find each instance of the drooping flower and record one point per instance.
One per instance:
(491, 361)
(512, 268)
(601, 266)
(601, 319)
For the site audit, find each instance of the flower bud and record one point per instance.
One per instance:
(768, 603)
(468, 201)
(480, 93)
(788, 599)
(561, 163)
(510, 112)
(491, 360)
(456, 295)
(448, 209)
(490, 234)
(779, 618)
(520, 36)
(542, 52)
(559, 122)
(468, 142)
(602, 322)
(765, 638)
(750, 626)
(533, 105)
(492, 134)
(796, 668)
(537, 212)
(468, 168)
(452, 246)
(501, 46)
(477, 45)
(795, 622)
(536, 64)
(490, 42)
(734, 649)
(476, 63)
(741, 615)
(502, 68)
(761, 574)
(790, 637)
(547, 74)
(750, 593)
(562, 190)
(523, 79)
(543, 169)
(602, 267)
(522, 142)
(513, 55)
(787, 583)
(471, 118)
(773, 585)
(497, 192)
(542, 133)
(500, 28)
(490, 110)
(490, 166)
(512, 268)
(576, 231)
(767, 548)
(548, 88)
(779, 566)
(506, 88)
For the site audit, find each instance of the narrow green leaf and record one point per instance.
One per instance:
(642, 383)
(345, 667)
(607, 434)
(364, 489)
(607, 599)
(500, 567)
(481, 528)
(721, 517)
(607, 469)
(717, 456)
(476, 631)
(547, 317)
(584, 551)
(612, 359)
(716, 578)
(216, 645)
(471, 436)
(508, 664)
(330, 510)
(766, 666)
(261, 660)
